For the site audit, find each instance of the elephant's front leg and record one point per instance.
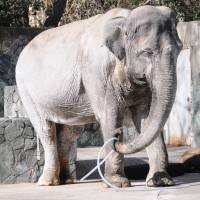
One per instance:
(158, 160)
(114, 166)
(47, 135)
(114, 170)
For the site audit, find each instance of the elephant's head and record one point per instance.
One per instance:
(148, 42)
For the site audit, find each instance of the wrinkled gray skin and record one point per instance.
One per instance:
(99, 69)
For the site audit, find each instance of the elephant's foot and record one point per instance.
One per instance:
(66, 172)
(69, 180)
(160, 179)
(66, 179)
(118, 181)
(49, 177)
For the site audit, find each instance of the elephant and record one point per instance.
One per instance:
(98, 69)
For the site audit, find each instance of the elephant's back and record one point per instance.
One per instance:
(68, 32)
(63, 41)
(50, 65)
(51, 51)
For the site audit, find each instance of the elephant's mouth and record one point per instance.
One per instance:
(141, 82)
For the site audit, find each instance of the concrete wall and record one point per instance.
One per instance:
(183, 125)
(178, 127)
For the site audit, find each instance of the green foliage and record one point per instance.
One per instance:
(15, 12)
(81, 9)
(49, 6)
(187, 10)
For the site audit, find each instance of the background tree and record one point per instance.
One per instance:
(187, 10)
(56, 14)
(15, 12)
(82, 9)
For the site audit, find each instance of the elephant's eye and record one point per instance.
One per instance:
(147, 52)
(126, 34)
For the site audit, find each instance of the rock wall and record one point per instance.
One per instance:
(18, 152)
(18, 162)
(12, 41)
(13, 106)
(18, 144)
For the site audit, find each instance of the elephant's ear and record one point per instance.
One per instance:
(114, 38)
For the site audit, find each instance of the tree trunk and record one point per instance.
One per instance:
(57, 12)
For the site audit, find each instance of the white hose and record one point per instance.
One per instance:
(95, 168)
(98, 163)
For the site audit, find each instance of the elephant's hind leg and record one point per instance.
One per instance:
(158, 160)
(66, 152)
(47, 135)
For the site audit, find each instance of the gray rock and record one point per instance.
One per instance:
(2, 85)
(24, 177)
(90, 136)
(18, 143)
(1, 130)
(20, 123)
(30, 144)
(5, 122)
(13, 106)
(4, 172)
(10, 179)
(2, 139)
(35, 174)
(16, 154)
(28, 132)
(20, 156)
(20, 166)
(6, 160)
(31, 158)
(12, 132)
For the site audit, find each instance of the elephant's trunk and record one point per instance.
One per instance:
(163, 86)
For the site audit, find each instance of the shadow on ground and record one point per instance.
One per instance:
(135, 169)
